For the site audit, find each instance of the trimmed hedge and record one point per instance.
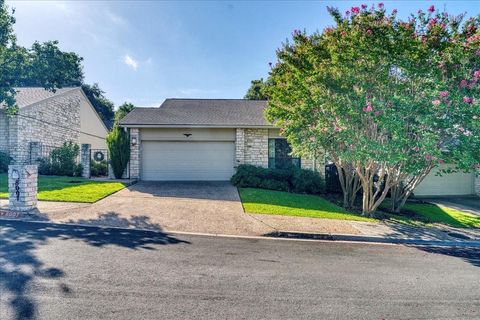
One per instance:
(290, 180)
(62, 161)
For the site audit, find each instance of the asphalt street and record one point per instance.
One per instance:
(70, 272)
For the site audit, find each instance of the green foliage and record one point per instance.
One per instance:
(99, 168)
(123, 110)
(62, 161)
(4, 162)
(307, 181)
(293, 179)
(256, 90)
(102, 104)
(382, 94)
(118, 141)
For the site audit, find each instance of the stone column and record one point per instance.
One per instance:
(239, 146)
(134, 153)
(22, 187)
(85, 160)
(35, 152)
(477, 182)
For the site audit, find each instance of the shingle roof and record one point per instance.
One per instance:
(31, 95)
(200, 112)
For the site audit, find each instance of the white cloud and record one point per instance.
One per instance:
(115, 18)
(131, 62)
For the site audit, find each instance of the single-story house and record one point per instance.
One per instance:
(205, 139)
(50, 119)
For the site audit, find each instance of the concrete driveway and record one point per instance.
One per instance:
(210, 207)
(469, 203)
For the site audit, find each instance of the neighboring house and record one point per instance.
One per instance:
(50, 119)
(204, 139)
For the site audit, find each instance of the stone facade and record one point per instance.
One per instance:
(134, 153)
(22, 189)
(50, 122)
(251, 147)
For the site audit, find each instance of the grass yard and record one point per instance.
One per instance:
(291, 204)
(430, 213)
(299, 205)
(68, 189)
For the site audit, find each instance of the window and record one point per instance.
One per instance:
(279, 155)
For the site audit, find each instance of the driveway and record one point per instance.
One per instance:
(209, 207)
(470, 204)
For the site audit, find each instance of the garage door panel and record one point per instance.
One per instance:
(162, 160)
(451, 184)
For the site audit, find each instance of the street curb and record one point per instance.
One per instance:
(282, 235)
(372, 239)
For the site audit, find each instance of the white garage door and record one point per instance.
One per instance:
(167, 160)
(448, 184)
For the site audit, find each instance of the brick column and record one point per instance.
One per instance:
(22, 187)
(239, 146)
(35, 152)
(256, 147)
(134, 153)
(85, 160)
(477, 182)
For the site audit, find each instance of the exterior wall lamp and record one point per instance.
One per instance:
(134, 141)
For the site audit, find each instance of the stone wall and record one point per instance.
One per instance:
(251, 147)
(51, 122)
(3, 132)
(134, 153)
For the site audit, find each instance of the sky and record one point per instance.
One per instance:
(145, 51)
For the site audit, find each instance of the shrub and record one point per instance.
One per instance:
(4, 162)
(99, 169)
(62, 161)
(119, 150)
(307, 181)
(292, 179)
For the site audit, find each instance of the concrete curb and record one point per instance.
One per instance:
(373, 239)
(281, 235)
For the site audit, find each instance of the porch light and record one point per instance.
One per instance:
(134, 141)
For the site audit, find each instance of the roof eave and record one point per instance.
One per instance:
(139, 125)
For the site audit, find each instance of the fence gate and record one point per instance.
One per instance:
(99, 162)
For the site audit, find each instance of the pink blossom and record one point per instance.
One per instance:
(369, 31)
(441, 161)
(428, 157)
(336, 127)
(380, 5)
(377, 113)
(364, 6)
(368, 108)
(477, 73)
(443, 94)
(355, 10)
(436, 102)
(347, 12)
(431, 9)
(394, 11)
(463, 84)
(445, 14)
(461, 129)
(467, 99)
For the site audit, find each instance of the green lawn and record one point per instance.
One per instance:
(430, 213)
(69, 189)
(290, 204)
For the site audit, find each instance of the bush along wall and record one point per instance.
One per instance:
(290, 180)
(62, 161)
(4, 162)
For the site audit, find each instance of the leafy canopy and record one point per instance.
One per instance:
(376, 88)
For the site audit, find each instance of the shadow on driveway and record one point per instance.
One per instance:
(19, 265)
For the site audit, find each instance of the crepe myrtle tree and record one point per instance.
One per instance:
(387, 99)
